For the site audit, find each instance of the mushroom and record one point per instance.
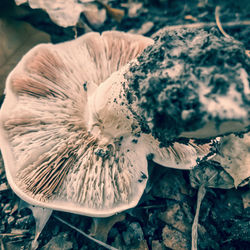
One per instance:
(69, 139)
(75, 132)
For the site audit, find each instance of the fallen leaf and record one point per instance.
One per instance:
(234, 157)
(210, 174)
(63, 13)
(17, 38)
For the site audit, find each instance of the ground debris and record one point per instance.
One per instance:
(171, 185)
(176, 217)
(59, 242)
(175, 239)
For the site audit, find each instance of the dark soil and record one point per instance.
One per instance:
(164, 217)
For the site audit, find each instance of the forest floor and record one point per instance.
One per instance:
(163, 218)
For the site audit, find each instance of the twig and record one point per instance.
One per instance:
(86, 235)
(200, 196)
(202, 25)
(217, 19)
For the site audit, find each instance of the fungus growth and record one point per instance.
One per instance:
(81, 118)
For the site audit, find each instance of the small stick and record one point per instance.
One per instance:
(217, 19)
(86, 235)
(200, 196)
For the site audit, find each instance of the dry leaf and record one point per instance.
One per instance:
(63, 13)
(16, 39)
(210, 174)
(234, 157)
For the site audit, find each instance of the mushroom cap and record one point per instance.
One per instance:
(54, 155)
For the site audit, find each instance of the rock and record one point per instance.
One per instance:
(60, 242)
(174, 239)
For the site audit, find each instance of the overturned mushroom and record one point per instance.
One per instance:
(74, 132)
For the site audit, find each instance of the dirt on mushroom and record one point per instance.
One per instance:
(173, 75)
